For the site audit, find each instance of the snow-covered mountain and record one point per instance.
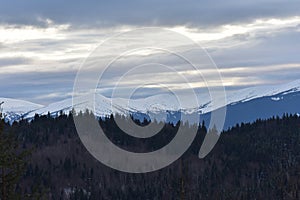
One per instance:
(14, 109)
(264, 91)
(237, 103)
(105, 106)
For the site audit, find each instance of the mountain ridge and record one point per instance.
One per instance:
(104, 106)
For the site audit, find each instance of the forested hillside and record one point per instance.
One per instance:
(250, 161)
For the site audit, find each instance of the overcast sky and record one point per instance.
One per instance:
(44, 43)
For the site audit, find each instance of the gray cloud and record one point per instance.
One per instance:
(14, 61)
(268, 50)
(145, 13)
(37, 87)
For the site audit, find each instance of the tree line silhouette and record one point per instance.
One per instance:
(44, 159)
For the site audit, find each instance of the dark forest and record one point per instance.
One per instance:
(45, 159)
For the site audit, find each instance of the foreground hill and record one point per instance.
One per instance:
(251, 161)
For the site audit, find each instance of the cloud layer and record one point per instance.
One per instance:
(43, 43)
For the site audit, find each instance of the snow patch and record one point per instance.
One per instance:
(276, 98)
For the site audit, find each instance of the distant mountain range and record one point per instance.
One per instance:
(245, 105)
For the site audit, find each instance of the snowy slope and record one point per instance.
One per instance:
(105, 106)
(263, 91)
(14, 109)
(252, 93)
